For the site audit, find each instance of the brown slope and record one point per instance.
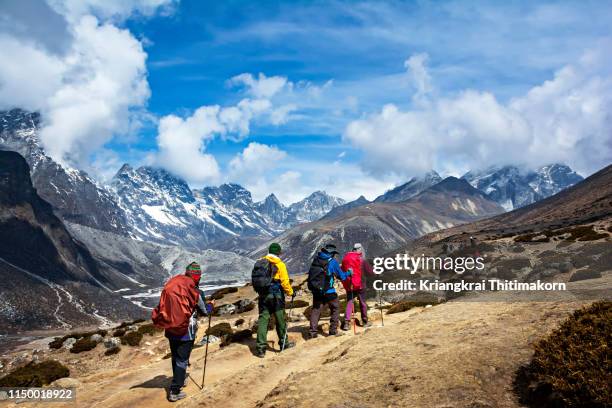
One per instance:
(382, 227)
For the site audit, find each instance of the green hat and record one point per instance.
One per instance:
(194, 268)
(274, 249)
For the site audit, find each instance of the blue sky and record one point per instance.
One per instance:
(372, 93)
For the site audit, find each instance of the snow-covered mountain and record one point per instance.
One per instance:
(410, 189)
(151, 204)
(309, 209)
(161, 207)
(513, 187)
(74, 195)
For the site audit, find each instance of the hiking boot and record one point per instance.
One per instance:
(313, 336)
(336, 333)
(367, 324)
(345, 326)
(173, 397)
(260, 353)
(288, 345)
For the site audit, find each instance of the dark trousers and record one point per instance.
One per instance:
(271, 304)
(334, 309)
(359, 294)
(181, 350)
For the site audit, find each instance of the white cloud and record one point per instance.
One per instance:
(180, 139)
(421, 78)
(111, 9)
(90, 88)
(262, 86)
(565, 119)
(181, 144)
(254, 162)
(104, 78)
(282, 114)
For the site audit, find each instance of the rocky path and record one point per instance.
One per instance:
(457, 354)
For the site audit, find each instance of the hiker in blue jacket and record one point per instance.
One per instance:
(325, 264)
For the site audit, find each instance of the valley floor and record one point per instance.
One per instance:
(456, 354)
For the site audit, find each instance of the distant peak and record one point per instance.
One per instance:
(125, 168)
(272, 198)
(455, 184)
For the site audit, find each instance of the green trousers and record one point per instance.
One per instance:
(271, 304)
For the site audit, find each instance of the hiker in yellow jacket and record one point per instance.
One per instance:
(272, 302)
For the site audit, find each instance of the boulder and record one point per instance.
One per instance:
(68, 343)
(225, 310)
(584, 275)
(208, 339)
(244, 305)
(565, 267)
(66, 382)
(547, 273)
(97, 338)
(112, 343)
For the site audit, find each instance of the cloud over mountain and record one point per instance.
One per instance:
(564, 119)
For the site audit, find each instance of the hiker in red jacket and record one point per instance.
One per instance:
(180, 304)
(355, 285)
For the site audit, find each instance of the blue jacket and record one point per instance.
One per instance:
(333, 271)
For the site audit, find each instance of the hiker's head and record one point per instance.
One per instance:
(194, 270)
(358, 248)
(275, 249)
(330, 249)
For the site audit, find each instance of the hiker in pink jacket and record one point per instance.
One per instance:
(355, 285)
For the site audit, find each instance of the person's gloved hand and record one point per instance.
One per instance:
(209, 308)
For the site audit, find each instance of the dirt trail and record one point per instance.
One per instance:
(457, 354)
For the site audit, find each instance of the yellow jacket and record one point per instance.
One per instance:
(281, 274)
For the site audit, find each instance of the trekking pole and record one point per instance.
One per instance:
(206, 352)
(287, 324)
(353, 309)
(382, 318)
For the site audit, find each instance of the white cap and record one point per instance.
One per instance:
(357, 246)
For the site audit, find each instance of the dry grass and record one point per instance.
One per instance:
(220, 330)
(405, 305)
(59, 341)
(218, 294)
(571, 367)
(132, 339)
(112, 351)
(576, 233)
(35, 375)
(83, 344)
(149, 329)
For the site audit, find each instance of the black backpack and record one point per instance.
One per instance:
(261, 276)
(318, 283)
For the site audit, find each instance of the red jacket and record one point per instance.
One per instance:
(355, 262)
(176, 305)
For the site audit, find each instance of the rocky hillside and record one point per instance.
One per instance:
(47, 279)
(381, 227)
(141, 268)
(74, 196)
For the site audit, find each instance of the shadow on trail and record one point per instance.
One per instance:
(160, 381)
